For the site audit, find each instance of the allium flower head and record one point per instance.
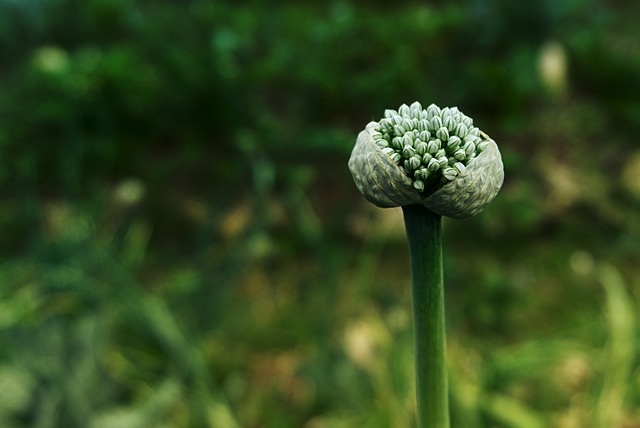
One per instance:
(433, 157)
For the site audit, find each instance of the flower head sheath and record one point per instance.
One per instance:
(432, 157)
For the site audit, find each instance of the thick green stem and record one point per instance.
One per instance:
(427, 290)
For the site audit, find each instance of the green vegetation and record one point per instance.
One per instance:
(182, 244)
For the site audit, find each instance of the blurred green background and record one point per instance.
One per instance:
(182, 244)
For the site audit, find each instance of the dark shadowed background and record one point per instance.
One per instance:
(182, 245)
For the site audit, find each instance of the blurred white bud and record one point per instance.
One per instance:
(50, 59)
(129, 192)
(552, 66)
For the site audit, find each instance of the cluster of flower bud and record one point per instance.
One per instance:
(432, 145)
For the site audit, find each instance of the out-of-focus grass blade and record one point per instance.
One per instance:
(512, 412)
(16, 388)
(220, 415)
(619, 353)
(150, 413)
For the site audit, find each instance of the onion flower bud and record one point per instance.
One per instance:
(443, 133)
(450, 167)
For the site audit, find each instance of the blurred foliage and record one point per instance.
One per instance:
(182, 244)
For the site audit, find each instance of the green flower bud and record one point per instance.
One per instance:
(426, 158)
(416, 110)
(470, 139)
(449, 173)
(445, 112)
(434, 146)
(404, 110)
(399, 130)
(397, 119)
(396, 157)
(407, 140)
(443, 161)
(450, 123)
(422, 173)
(433, 165)
(408, 151)
(421, 147)
(388, 151)
(389, 114)
(468, 122)
(424, 135)
(461, 130)
(415, 162)
(397, 143)
(460, 154)
(469, 148)
(433, 111)
(418, 185)
(442, 134)
(453, 143)
(407, 124)
(435, 123)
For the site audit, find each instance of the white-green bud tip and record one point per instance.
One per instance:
(432, 157)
